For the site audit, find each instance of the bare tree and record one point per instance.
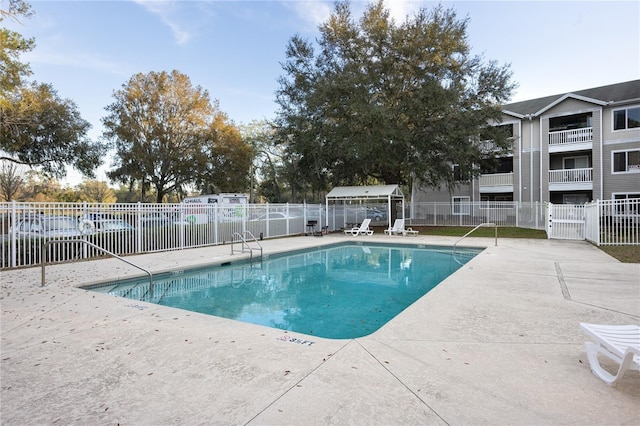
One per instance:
(12, 179)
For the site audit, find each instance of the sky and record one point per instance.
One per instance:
(89, 49)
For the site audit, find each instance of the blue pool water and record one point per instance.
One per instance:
(341, 291)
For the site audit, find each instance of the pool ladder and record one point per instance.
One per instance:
(246, 235)
(453, 252)
(46, 245)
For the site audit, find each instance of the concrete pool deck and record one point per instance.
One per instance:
(498, 342)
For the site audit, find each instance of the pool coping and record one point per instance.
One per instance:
(502, 345)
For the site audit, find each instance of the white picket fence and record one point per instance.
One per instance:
(502, 213)
(145, 228)
(613, 222)
(602, 222)
(125, 229)
(565, 221)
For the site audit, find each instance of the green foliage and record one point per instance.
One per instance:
(38, 128)
(42, 130)
(484, 232)
(168, 136)
(228, 159)
(388, 102)
(269, 180)
(12, 45)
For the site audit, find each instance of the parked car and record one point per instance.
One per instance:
(158, 219)
(112, 225)
(47, 226)
(375, 214)
(155, 219)
(96, 216)
(276, 216)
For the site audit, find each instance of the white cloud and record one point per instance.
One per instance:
(312, 13)
(315, 12)
(167, 11)
(400, 9)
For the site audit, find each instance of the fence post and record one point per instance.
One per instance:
(288, 218)
(549, 224)
(12, 235)
(304, 214)
(598, 219)
(216, 226)
(139, 227)
(181, 220)
(267, 224)
(85, 249)
(435, 212)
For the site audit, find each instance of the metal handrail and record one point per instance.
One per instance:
(479, 226)
(245, 244)
(48, 243)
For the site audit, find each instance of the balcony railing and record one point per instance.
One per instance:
(564, 137)
(496, 179)
(571, 175)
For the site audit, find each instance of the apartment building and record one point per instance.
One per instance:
(570, 148)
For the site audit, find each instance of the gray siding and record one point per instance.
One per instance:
(596, 154)
(620, 140)
(532, 159)
(568, 107)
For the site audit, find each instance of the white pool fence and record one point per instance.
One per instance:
(126, 229)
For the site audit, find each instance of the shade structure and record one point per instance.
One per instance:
(373, 192)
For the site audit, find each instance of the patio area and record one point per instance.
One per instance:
(498, 342)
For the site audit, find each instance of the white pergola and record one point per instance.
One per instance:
(368, 193)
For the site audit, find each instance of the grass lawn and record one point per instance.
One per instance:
(627, 254)
(486, 232)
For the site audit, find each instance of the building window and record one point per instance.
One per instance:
(626, 196)
(570, 122)
(461, 205)
(628, 204)
(575, 199)
(626, 161)
(627, 118)
(581, 162)
(498, 165)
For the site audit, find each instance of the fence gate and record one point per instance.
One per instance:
(566, 221)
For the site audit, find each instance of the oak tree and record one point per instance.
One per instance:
(38, 128)
(168, 135)
(379, 101)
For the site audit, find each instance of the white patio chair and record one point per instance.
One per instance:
(362, 230)
(398, 228)
(620, 343)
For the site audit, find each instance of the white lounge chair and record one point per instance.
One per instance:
(362, 230)
(620, 343)
(410, 231)
(398, 228)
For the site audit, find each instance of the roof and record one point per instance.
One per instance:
(603, 95)
(365, 192)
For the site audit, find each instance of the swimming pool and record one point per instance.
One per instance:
(340, 291)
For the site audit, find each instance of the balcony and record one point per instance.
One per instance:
(496, 182)
(571, 179)
(571, 140)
